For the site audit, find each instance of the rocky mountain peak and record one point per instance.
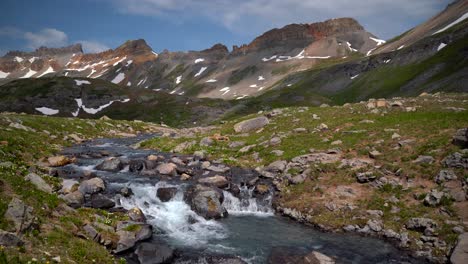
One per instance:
(297, 35)
(135, 47)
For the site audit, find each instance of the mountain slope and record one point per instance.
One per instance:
(94, 98)
(215, 72)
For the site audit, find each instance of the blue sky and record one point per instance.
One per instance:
(189, 24)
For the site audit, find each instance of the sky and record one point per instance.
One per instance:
(181, 25)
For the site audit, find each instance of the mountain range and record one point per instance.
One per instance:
(333, 62)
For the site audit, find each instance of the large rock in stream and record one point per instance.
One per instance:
(206, 201)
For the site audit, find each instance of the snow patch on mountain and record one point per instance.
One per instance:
(211, 81)
(350, 48)
(119, 61)
(47, 111)
(31, 60)
(379, 41)
(199, 60)
(4, 74)
(355, 76)
(178, 79)
(29, 74)
(100, 108)
(261, 78)
(129, 63)
(119, 78)
(201, 71)
(441, 46)
(18, 59)
(80, 82)
(402, 46)
(460, 19)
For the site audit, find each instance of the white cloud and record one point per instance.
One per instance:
(48, 37)
(92, 46)
(250, 15)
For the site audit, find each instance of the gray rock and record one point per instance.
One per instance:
(424, 160)
(206, 201)
(199, 155)
(375, 225)
(218, 168)
(350, 228)
(165, 194)
(68, 186)
(91, 232)
(460, 253)
(389, 233)
(251, 124)
(128, 239)
(275, 141)
(236, 144)
(297, 179)
(247, 148)
(74, 199)
(135, 214)
(277, 166)
(40, 183)
(278, 152)
(445, 175)
(420, 224)
(9, 239)
(218, 181)
(458, 229)
(167, 169)
(112, 164)
(461, 138)
(300, 130)
(20, 214)
(434, 198)
(100, 201)
(206, 141)
(184, 146)
(456, 160)
(364, 177)
(154, 253)
(91, 186)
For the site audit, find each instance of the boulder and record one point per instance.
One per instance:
(206, 141)
(251, 124)
(364, 177)
(167, 169)
(300, 178)
(69, 186)
(112, 164)
(165, 194)
(100, 201)
(74, 199)
(445, 175)
(184, 146)
(206, 201)
(277, 166)
(58, 161)
(316, 257)
(461, 138)
(434, 198)
(135, 214)
(40, 183)
(456, 160)
(274, 141)
(130, 233)
(136, 165)
(8, 239)
(92, 186)
(375, 225)
(20, 214)
(424, 160)
(218, 181)
(154, 253)
(460, 253)
(420, 224)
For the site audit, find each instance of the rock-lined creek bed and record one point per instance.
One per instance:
(185, 209)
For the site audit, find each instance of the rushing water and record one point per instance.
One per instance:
(250, 231)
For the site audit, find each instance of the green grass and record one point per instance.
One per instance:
(239, 74)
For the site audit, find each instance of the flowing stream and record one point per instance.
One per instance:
(250, 231)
